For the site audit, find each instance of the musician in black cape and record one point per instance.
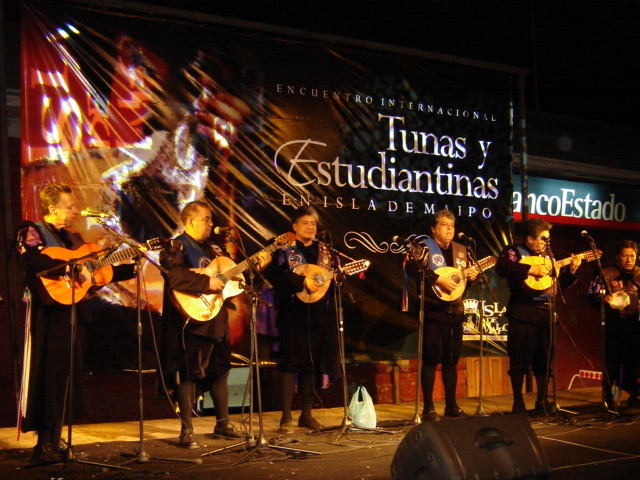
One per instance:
(619, 290)
(529, 311)
(308, 332)
(442, 337)
(196, 355)
(46, 371)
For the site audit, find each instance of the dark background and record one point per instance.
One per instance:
(582, 55)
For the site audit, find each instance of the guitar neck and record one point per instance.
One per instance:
(482, 265)
(116, 257)
(567, 261)
(253, 259)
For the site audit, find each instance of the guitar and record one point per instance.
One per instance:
(543, 283)
(204, 306)
(60, 287)
(460, 277)
(323, 277)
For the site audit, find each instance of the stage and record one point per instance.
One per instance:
(590, 444)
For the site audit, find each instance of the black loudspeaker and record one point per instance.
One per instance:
(483, 448)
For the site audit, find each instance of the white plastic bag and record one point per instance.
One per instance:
(361, 409)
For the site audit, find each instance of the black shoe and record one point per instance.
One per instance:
(519, 407)
(62, 446)
(188, 439)
(430, 415)
(227, 431)
(545, 407)
(310, 423)
(286, 425)
(44, 454)
(454, 412)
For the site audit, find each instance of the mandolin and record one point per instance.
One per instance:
(460, 277)
(323, 277)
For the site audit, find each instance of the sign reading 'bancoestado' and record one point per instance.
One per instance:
(576, 203)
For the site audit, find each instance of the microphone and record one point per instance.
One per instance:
(585, 234)
(219, 230)
(87, 212)
(405, 241)
(465, 238)
(321, 235)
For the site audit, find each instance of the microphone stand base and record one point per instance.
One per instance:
(480, 412)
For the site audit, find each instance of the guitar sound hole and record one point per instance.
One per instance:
(318, 279)
(456, 278)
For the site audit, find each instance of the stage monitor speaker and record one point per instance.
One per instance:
(482, 448)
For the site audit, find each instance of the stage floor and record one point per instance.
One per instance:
(589, 445)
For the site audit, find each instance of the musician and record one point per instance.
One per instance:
(442, 338)
(622, 322)
(308, 333)
(50, 326)
(196, 355)
(529, 311)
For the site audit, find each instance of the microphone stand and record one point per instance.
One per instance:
(141, 455)
(606, 379)
(485, 281)
(416, 420)
(70, 456)
(423, 282)
(553, 337)
(347, 424)
(416, 415)
(251, 443)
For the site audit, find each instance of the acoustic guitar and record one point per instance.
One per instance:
(543, 283)
(204, 306)
(100, 266)
(322, 277)
(460, 277)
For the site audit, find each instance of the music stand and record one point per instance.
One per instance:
(141, 455)
(70, 456)
(255, 445)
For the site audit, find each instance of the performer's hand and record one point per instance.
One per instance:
(215, 284)
(539, 271)
(263, 260)
(82, 275)
(575, 263)
(472, 274)
(310, 285)
(446, 284)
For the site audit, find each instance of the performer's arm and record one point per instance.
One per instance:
(182, 278)
(594, 294)
(569, 274)
(281, 276)
(29, 245)
(125, 271)
(509, 265)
